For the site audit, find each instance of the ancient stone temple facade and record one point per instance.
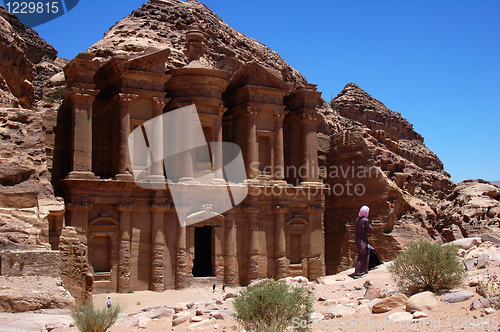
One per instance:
(134, 234)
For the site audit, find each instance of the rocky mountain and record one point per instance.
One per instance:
(369, 155)
(160, 24)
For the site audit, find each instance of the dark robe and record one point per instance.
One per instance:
(363, 229)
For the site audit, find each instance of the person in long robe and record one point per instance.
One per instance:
(363, 230)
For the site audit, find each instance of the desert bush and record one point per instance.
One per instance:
(426, 266)
(88, 318)
(273, 306)
(56, 95)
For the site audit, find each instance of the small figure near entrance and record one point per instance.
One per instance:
(213, 286)
(367, 255)
(223, 288)
(108, 302)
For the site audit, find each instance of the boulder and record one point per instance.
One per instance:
(229, 295)
(204, 324)
(491, 238)
(419, 314)
(459, 296)
(372, 292)
(466, 243)
(180, 318)
(400, 317)
(480, 304)
(483, 261)
(363, 310)
(160, 313)
(422, 301)
(338, 311)
(483, 248)
(389, 303)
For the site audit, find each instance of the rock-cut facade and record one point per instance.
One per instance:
(141, 237)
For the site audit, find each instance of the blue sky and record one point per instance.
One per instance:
(435, 62)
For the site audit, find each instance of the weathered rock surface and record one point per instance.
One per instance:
(389, 303)
(20, 294)
(422, 301)
(75, 269)
(473, 206)
(162, 24)
(372, 156)
(26, 195)
(459, 296)
(26, 62)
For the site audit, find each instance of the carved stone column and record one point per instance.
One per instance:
(183, 274)
(280, 240)
(218, 161)
(82, 132)
(309, 147)
(124, 238)
(157, 246)
(253, 249)
(156, 141)
(252, 153)
(79, 216)
(230, 263)
(279, 156)
(124, 167)
(188, 156)
(315, 261)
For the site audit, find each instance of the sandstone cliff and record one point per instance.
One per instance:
(26, 195)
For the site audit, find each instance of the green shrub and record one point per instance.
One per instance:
(91, 319)
(426, 266)
(57, 95)
(273, 306)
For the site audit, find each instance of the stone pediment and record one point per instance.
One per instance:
(151, 63)
(254, 74)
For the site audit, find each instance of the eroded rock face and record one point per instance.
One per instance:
(20, 294)
(473, 207)
(76, 274)
(372, 156)
(26, 195)
(26, 63)
(163, 24)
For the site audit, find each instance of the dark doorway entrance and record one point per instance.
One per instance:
(202, 252)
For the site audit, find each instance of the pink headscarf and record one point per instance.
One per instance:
(364, 211)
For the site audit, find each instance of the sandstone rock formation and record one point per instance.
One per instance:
(372, 156)
(473, 207)
(26, 195)
(161, 24)
(20, 294)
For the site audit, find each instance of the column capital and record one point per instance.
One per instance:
(125, 97)
(80, 206)
(126, 207)
(305, 116)
(160, 101)
(159, 207)
(280, 209)
(315, 209)
(251, 111)
(279, 115)
(250, 209)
